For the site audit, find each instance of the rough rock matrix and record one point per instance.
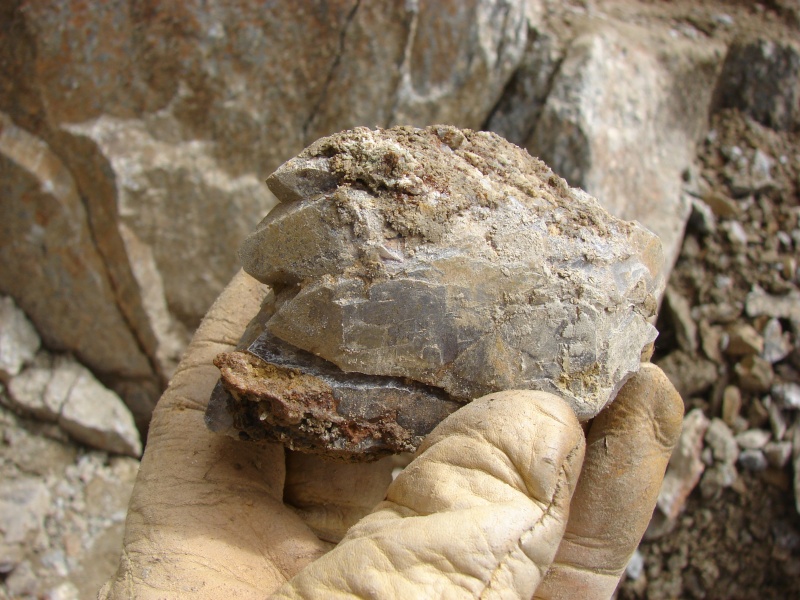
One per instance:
(453, 259)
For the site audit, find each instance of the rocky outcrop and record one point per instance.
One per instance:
(51, 265)
(617, 110)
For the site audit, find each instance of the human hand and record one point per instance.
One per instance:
(492, 506)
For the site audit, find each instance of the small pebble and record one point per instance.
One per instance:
(777, 421)
(721, 205)
(778, 453)
(787, 394)
(762, 167)
(635, 566)
(777, 344)
(753, 439)
(702, 217)
(753, 460)
(720, 438)
(757, 415)
(717, 478)
(731, 404)
(723, 19)
(735, 233)
(755, 374)
(740, 424)
(743, 340)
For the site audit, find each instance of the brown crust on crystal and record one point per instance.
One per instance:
(275, 403)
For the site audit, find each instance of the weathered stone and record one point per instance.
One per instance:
(759, 303)
(73, 509)
(680, 312)
(96, 416)
(786, 395)
(50, 263)
(740, 424)
(778, 453)
(717, 478)
(743, 340)
(755, 374)
(446, 256)
(33, 453)
(731, 404)
(753, 459)
(599, 135)
(722, 442)
(735, 233)
(711, 337)
(777, 344)
(701, 217)
(516, 115)
(59, 389)
(689, 374)
(777, 420)
(753, 439)
(460, 57)
(722, 205)
(148, 248)
(757, 414)
(685, 465)
(18, 339)
(761, 77)
(28, 391)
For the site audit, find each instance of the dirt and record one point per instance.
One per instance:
(742, 541)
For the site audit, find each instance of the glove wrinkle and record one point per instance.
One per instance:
(479, 513)
(496, 586)
(331, 496)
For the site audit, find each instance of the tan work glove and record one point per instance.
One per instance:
(492, 506)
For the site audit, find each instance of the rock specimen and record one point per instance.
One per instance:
(446, 257)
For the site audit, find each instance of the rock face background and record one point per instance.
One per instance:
(135, 137)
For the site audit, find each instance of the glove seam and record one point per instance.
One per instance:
(528, 532)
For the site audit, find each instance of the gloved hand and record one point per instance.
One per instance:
(505, 498)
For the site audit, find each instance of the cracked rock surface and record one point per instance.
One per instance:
(454, 259)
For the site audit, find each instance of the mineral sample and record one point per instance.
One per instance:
(450, 259)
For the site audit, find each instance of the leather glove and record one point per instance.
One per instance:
(507, 497)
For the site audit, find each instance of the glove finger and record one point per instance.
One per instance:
(206, 516)
(479, 512)
(331, 496)
(627, 451)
